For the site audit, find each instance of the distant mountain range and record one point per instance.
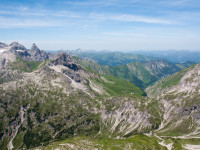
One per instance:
(141, 73)
(110, 58)
(120, 58)
(176, 56)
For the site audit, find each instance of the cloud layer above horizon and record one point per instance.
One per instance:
(102, 24)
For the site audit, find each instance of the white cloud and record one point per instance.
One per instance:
(129, 18)
(181, 3)
(134, 18)
(61, 18)
(20, 23)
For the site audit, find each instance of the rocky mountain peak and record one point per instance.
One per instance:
(63, 57)
(16, 46)
(37, 54)
(69, 66)
(65, 60)
(14, 43)
(34, 47)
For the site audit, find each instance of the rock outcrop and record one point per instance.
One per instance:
(37, 54)
(72, 68)
(66, 60)
(19, 50)
(2, 45)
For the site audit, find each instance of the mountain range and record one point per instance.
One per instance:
(66, 102)
(113, 58)
(140, 73)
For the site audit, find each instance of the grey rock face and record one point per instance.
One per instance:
(73, 75)
(36, 54)
(35, 48)
(19, 50)
(188, 110)
(2, 45)
(65, 60)
(16, 46)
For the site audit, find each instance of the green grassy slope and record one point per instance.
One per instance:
(92, 66)
(138, 142)
(51, 115)
(23, 65)
(116, 86)
(134, 73)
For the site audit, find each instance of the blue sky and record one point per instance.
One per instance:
(102, 24)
